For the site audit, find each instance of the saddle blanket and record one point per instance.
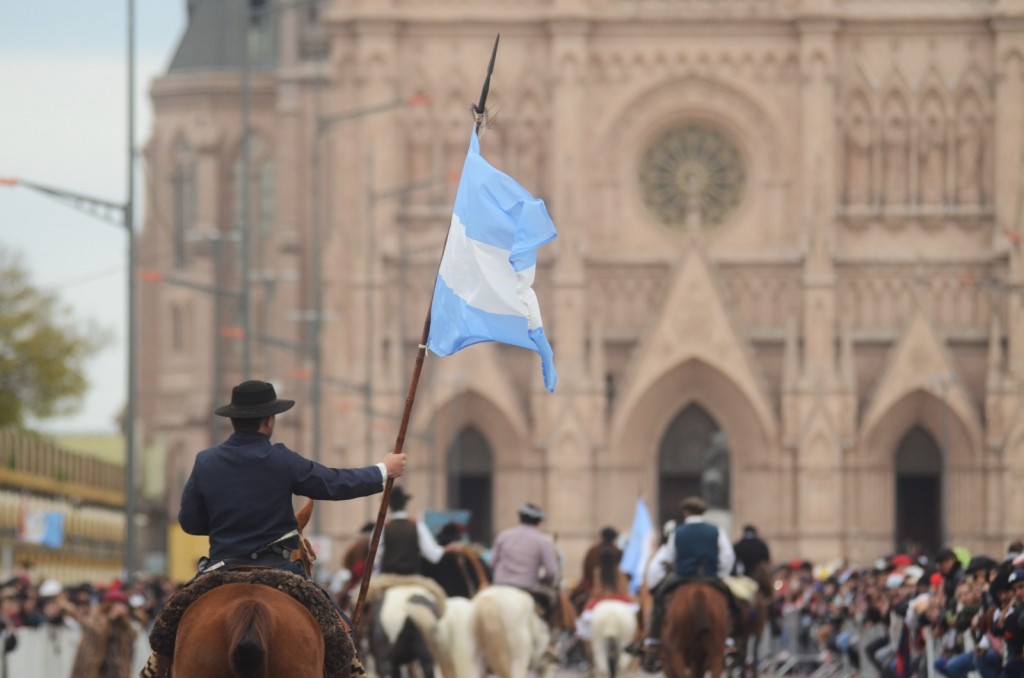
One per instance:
(743, 588)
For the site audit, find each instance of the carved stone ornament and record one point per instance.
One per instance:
(692, 175)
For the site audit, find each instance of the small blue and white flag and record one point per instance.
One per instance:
(639, 547)
(45, 528)
(484, 289)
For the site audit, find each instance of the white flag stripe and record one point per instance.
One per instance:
(481, 275)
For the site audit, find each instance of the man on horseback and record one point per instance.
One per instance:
(697, 550)
(605, 546)
(406, 542)
(524, 557)
(240, 491)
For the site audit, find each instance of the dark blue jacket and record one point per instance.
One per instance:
(696, 550)
(240, 492)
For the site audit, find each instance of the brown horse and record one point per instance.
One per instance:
(694, 631)
(250, 630)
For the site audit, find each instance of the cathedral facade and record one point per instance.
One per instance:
(787, 276)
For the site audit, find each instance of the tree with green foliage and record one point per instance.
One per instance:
(42, 349)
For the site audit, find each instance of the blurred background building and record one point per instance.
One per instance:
(788, 272)
(62, 506)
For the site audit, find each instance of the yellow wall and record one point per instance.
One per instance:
(183, 552)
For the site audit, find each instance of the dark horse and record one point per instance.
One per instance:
(747, 630)
(694, 631)
(243, 630)
(750, 622)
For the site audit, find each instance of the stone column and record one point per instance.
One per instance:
(565, 418)
(1009, 188)
(819, 506)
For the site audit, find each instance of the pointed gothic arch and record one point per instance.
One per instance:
(918, 470)
(494, 445)
(183, 197)
(470, 480)
(879, 468)
(932, 144)
(859, 129)
(896, 146)
(686, 466)
(697, 383)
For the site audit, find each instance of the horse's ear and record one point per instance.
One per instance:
(303, 514)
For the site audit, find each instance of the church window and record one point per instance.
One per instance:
(184, 185)
(692, 174)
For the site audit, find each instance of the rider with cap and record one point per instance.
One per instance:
(697, 549)
(240, 491)
(524, 557)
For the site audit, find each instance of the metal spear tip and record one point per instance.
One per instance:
(481, 107)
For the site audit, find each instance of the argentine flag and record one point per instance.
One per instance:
(639, 547)
(484, 289)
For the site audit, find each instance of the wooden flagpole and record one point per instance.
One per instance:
(479, 116)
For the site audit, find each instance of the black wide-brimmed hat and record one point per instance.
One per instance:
(399, 498)
(253, 400)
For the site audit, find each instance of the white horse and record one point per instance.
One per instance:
(612, 627)
(458, 654)
(511, 637)
(405, 629)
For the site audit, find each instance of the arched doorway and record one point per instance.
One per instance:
(470, 478)
(693, 460)
(918, 470)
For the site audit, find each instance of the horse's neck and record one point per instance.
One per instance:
(478, 569)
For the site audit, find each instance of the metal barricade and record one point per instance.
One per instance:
(797, 650)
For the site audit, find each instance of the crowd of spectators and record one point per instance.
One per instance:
(958, 612)
(25, 603)
(108, 617)
(962, 614)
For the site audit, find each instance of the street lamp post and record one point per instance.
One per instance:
(133, 342)
(119, 214)
(325, 123)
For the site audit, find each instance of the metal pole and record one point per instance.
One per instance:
(216, 250)
(243, 225)
(370, 280)
(130, 407)
(947, 381)
(318, 298)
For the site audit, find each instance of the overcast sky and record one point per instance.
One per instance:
(63, 119)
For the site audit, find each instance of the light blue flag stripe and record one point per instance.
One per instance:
(484, 285)
(497, 211)
(638, 548)
(53, 534)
